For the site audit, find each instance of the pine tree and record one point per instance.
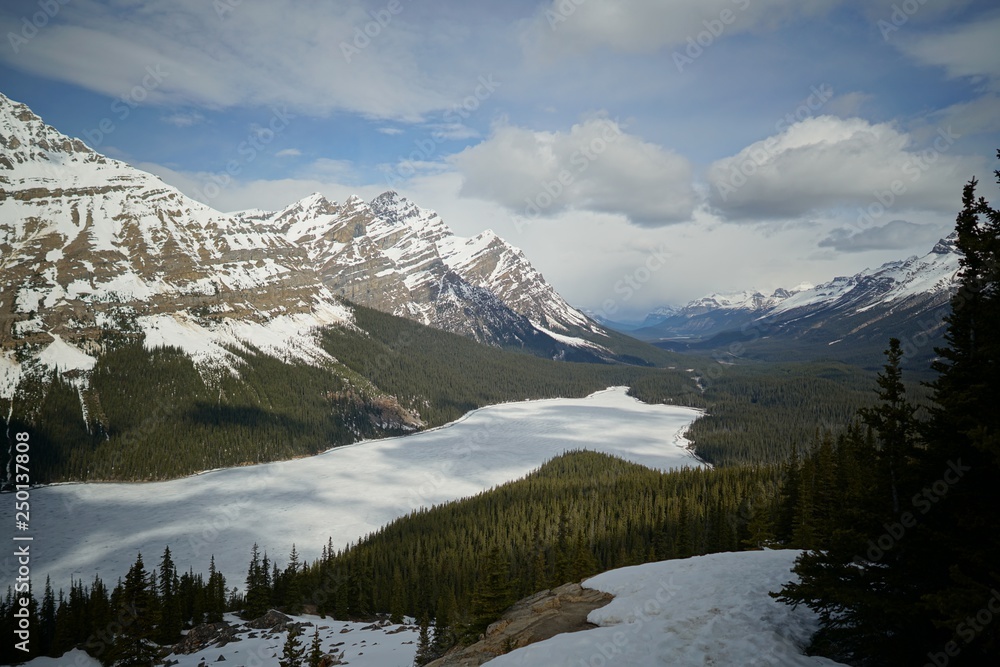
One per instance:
(922, 572)
(171, 620)
(258, 595)
(493, 592)
(957, 552)
(445, 623)
(47, 623)
(425, 651)
(292, 591)
(893, 421)
(215, 594)
(315, 650)
(293, 652)
(134, 647)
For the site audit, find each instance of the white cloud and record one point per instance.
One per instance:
(596, 166)
(645, 26)
(269, 54)
(333, 178)
(827, 162)
(894, 235)
(184, 119)
(968, 50)
(978, 116)
(391, 131)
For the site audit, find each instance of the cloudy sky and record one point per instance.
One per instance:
(678, 146)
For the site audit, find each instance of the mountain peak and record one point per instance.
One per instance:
(947, 245)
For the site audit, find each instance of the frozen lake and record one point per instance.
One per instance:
(345, 493)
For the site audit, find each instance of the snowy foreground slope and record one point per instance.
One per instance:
(84, 529)
(708, 610)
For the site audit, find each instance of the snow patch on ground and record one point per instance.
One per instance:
(708, 610)
(569, 340)
(63, 357)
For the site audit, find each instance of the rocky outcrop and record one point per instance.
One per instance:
(205, 635)
(533, 619)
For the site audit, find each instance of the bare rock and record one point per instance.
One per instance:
(205, 635)
(533, 619)
(272, 620)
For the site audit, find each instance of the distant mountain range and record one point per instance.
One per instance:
(849, 318)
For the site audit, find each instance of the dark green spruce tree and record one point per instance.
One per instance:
(957, 552)
(134, 646)
(920, 509)
(293, 652)
(845, 578)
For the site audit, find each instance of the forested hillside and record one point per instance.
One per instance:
(152, 414)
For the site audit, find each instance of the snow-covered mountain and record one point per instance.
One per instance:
(906, 299)
(931, 276)
(91, 246)
(392, 255)
(710, 314)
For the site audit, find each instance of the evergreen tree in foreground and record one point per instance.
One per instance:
(134, 647)
(958, 551)
(315, 650)
(910, 573)
(293, 652)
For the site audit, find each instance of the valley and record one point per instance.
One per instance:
(350, 413)
(341, 495)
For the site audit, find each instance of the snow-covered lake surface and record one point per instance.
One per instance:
(85, 529)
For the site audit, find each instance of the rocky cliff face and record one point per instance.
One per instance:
(533, 619)
(90, 245)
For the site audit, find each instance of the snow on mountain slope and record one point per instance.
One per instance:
(392, 255)
(707, 610)
(348, 492)
(929, 275)
(89, 244)
(867, 308)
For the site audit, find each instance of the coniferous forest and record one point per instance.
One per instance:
(890, 488)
